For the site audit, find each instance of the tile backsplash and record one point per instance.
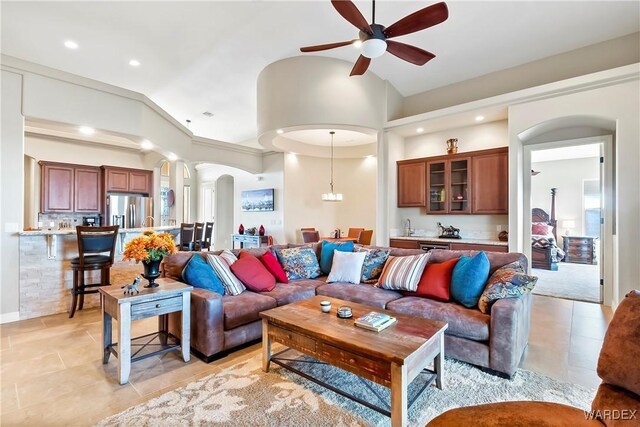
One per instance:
(56, 221)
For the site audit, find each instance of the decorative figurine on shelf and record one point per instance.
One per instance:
(241, 229)
(261, 230)
(251, 231)
(452, 146)
(133, 287)
(459, 196)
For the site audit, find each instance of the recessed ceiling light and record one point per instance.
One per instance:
(357, 43)
(208, 114)
(420, 130)
(70, 44)
(479, 118)
(279, 131)
(86, 130)
(134, 63)
(172, 157)
(146, 145)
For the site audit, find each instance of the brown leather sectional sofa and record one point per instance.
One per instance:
(223, 323)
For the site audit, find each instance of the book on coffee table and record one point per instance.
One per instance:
(374, 321)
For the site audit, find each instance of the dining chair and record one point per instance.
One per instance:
(364, 238)
(187, 232)
(208, 232)
(93, 244)
(354, 232)
(310, 236)
(308, 229)
(198, 235)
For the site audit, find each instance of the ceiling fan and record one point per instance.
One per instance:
(374, 38)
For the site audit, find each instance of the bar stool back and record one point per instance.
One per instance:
(187, 232)
(208, 232)
(197, 236)
(93, 244)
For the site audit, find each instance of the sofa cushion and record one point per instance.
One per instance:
(403, 273)
(232, 286)
(363, 294)
(269, 260)
(299, 263)
(244, 308)
(496, 259)
(297, 290)
(199, 274)
(346, 267)
(463, 322)
(435, 281)
(509, 281)
(373, 263)
(468, 279)
(327, 251)
(621, 347)
(252, 273)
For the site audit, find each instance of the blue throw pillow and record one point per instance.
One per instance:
(326, 255)
(468, 279)
(199, 274)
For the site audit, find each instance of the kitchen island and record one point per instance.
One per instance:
(45, 269)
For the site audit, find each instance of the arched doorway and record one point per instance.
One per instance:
(224, 202)
(560, 141)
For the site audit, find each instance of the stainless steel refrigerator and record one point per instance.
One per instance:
(129, 211)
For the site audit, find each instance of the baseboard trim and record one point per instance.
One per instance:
(9, 317)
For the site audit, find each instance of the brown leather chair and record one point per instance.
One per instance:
(93, 243)
(310, 236)
(364, 238)
(208, 232)
(617, 397)
(354, 232)
(187, 232)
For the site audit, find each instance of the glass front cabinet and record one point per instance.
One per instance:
(448, 186)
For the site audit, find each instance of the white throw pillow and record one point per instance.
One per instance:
(346, 267)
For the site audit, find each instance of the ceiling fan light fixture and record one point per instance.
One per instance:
(357, 44)
(373, 48)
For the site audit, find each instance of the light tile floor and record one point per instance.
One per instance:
(51, 371)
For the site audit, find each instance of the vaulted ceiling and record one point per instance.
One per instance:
(198, 57)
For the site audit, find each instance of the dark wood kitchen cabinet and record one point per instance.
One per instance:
(69, 188)
(123, 180)
(411, 184)
(490, 181)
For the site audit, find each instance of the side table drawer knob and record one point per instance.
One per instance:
(352, 360)
(157, 305)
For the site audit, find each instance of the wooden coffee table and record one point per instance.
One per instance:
(393, 357)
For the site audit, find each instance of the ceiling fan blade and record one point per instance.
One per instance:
(325, 46)
(361, 66)
(409, 53)
(350, 12)
(424, 18)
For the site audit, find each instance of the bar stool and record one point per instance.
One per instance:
(197, 236)
(187, 232)
(208, 232)
(93, 243)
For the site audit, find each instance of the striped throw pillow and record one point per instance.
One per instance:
(228, 257)
(402, 273)
(232, 286)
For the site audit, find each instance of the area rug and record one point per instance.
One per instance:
(244, 395)
(579, 282)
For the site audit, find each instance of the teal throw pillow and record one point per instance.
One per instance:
(326, 256)
(199, 274)
(468, 279)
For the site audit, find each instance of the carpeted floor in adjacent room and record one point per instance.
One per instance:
(580, 282)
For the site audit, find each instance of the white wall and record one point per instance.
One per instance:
(11, 194)
(567, 176)
(617, 102)
(306, 178)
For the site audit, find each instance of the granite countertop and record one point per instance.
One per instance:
(434, 239)
(71, 231)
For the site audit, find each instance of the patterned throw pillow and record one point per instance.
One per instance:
(232, 285)
(299, 263)
(402, 273)
(509, 281)
(228, 257)
(373, 264)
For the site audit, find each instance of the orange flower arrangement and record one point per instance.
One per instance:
(150, 247)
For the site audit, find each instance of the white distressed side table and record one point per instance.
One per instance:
(170, 297)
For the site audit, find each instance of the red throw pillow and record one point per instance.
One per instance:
(435, 281)
(541, 229)
(271, 263)
(250, 271)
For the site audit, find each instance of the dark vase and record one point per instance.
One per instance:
(151, 272)
(241, 229)
(261, 231)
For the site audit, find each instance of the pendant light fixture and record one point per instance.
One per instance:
(332, 197)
